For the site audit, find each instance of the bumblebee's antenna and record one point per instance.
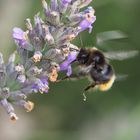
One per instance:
(74, 49)
(82, 45)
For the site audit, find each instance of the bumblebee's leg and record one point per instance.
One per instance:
(72, 76)
(90, 86)
(86, 89)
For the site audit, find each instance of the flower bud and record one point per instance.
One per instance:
(19, 68)
(13, 117)
(21, 78)
(29, 106)
(28, 24)
(37, 56)
(5, 92)
(53, 76)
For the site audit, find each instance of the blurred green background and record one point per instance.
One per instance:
(62, 114)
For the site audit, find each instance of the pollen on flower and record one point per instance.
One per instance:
(71, 37)
(53, 75)
(19, 68)
(54, 13)
(29, 106)
(49, 38)
(44, 89)
(66, 51)
(36, 71)
(90, 15)
(28, 24)
(25, 35)
(37, 57)
(22, 96)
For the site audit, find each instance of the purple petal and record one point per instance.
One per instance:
(90, 29)
(41, 84)
(66, 1)
(18, 33)
(64, 66)
(88, 19)
(17, 30)
(54, 5)
(69, 70)
(87, 24)
(71, 57)
(19, 37)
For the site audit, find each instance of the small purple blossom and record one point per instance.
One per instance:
(88, 19)
(41, 85)
(54, 5)
(66, 1)
(64, 5)
(20, 37)
(66, 65)
(21, 78)
(38, 25)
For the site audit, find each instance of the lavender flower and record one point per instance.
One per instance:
(21, 38)
(41, 85)
(66, 65)
(88, 19)
(44, 50)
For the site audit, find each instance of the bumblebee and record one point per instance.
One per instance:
(92, 62)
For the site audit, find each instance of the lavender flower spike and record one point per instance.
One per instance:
(43, 50)
(89, 19)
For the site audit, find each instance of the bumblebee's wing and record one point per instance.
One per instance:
(121, 77)
(109, 35)
(121, 55)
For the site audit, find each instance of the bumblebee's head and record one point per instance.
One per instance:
(83, 56)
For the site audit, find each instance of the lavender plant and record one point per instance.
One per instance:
(43, 50)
